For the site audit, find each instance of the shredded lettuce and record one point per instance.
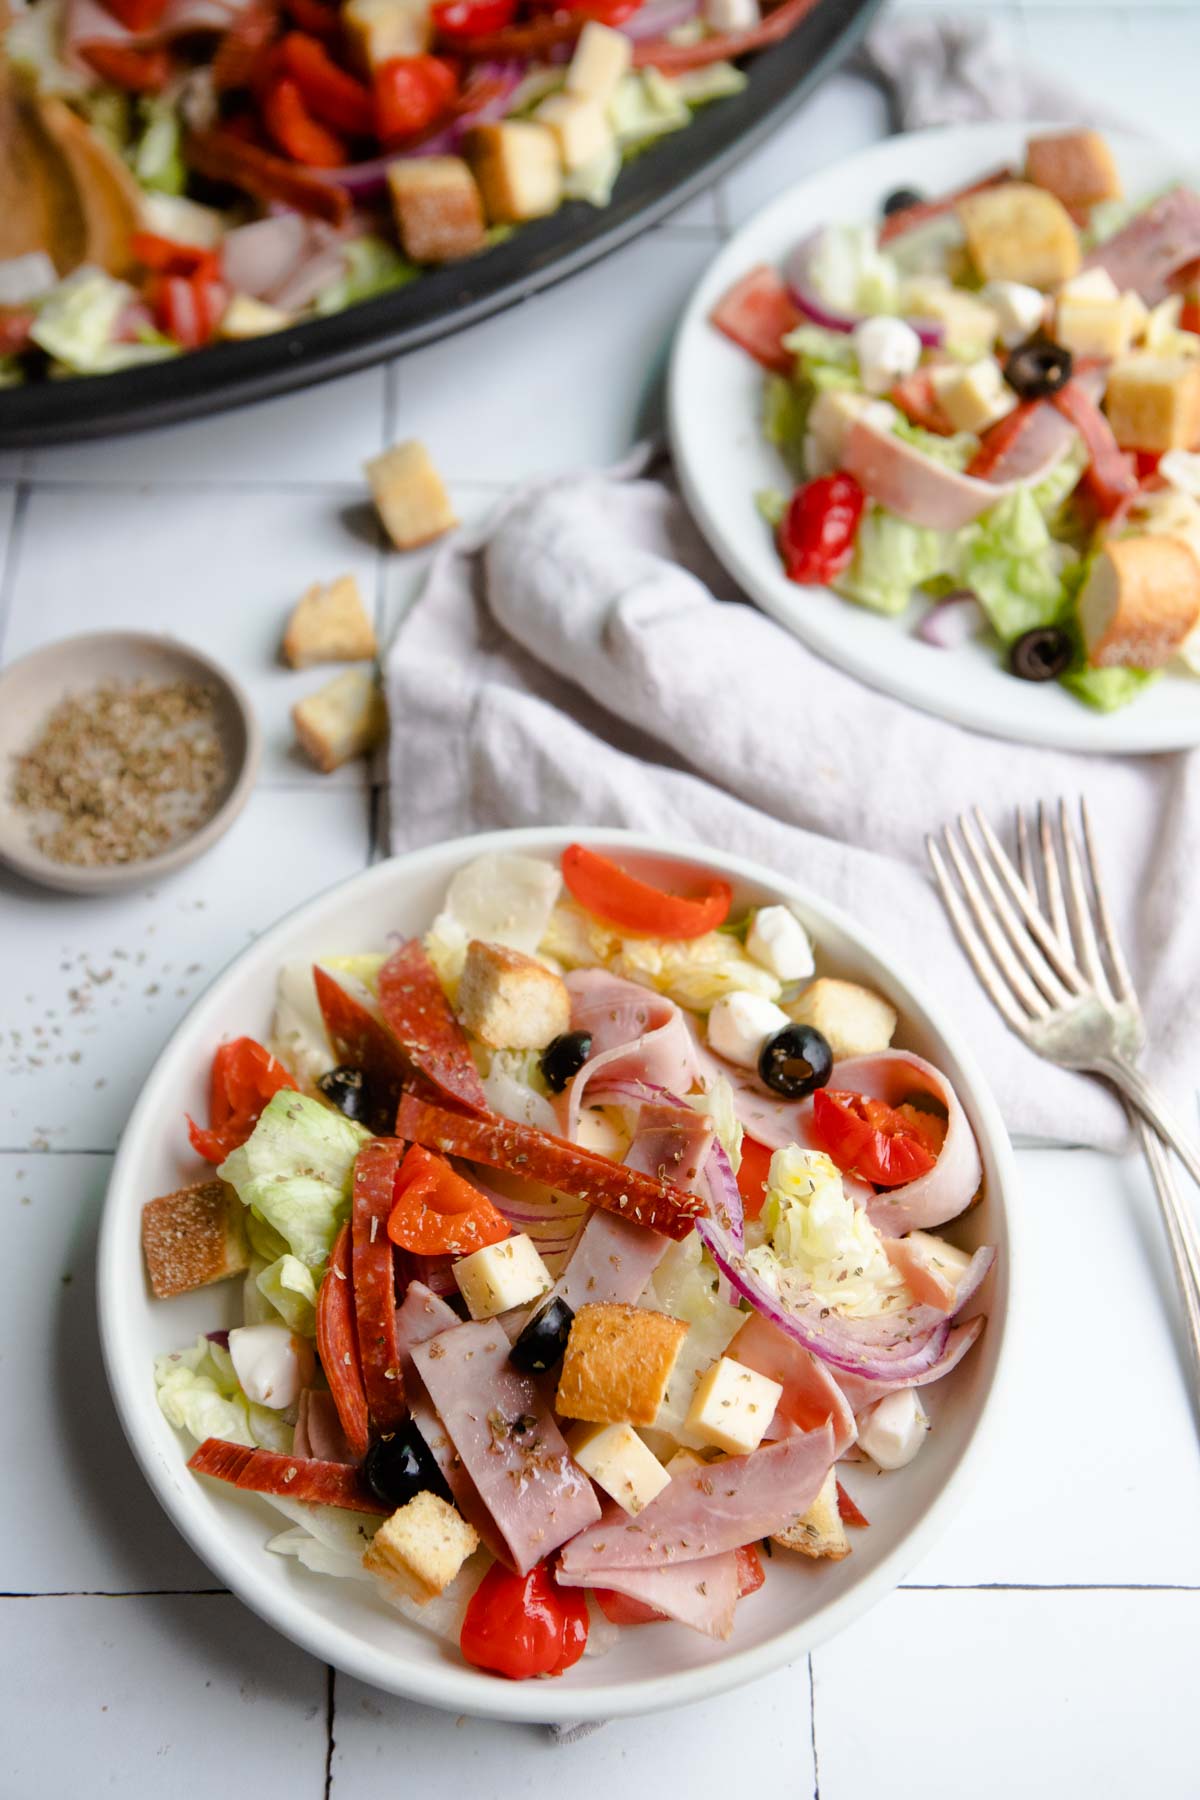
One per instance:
(594, 182)
(694, 972)
(950, 452)
(12, 372)
(199, 1393)
(158, 157)
(891, 558)
(294, 1172)
(76, 325)
(1108, 689)
(1055, 489)
(719, 1102)
(684, 1285)
(824, 359)
(288, 1286)
(1013, 566)
(718, 81)
(645, 106)
(515, 1089)
(851, 274)
(785, 418)
(772, 503)
(371, 267)
(33, 44)
(818, 1241)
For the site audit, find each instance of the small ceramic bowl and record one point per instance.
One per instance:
(33, 686)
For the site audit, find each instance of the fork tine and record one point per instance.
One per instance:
(1053, 880)
(1002, 955)
(1056, 945)
(1123, 980)
(1024, 945)
(977, 956)
(1081, 916)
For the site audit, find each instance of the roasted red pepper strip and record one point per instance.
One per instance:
(244, 1078)
(897, 223)
(752, 1174)
(373, 1265)
(317, 18)
(436, 1213)
(999, 438)
(1110, 476)
(220, 156)
(239, 54)
(603, 887)
(125, 66)
(334, 96)
(917, 399)
(137, 15)
(524, 1150)
(292, 1477)
(337, 1344)
(360, 1040)
(676, 59)
(848, 1512)
(295, 129)
(418, 1015)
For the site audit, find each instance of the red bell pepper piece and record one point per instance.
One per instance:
(604, 888)
(752, 1175)
(758, 313)
(137, 15)
(244, 1078)
(436, 1213)
(411, 94)
(817, 532)
(459, 20)
(849, 1513)
(125, 66)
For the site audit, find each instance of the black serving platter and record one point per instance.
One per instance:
(446, 300)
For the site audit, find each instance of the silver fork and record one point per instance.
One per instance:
(1058, 976)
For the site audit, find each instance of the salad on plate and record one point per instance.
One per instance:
(590, 1248)
(988, 405)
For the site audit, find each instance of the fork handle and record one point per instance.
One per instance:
(1150, 1103)
(1181, 1236)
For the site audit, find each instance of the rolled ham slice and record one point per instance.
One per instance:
(636, 1034)
(701, 1594)
(507, 1441)
(895, 1076)
(319, 1433)
(711, 1510)
(1153, 247)
(811, 1397)
(910, 484)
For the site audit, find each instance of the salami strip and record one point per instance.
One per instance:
(359, 1039)
(417, 1012)
(524, 1150)
(292, 1477)
(337, 1344)
(373, 1268)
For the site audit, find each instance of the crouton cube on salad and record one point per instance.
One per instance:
(421, 1548)
(437, 208)
(820, 1532)
(511, 1001)
(617, 1364)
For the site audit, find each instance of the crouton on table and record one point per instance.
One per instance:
(329, 623)
(344, 719)
(409, 494)
(511, 1001)
(193, 1237)
(617, 1364)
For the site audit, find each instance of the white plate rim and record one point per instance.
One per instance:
(865, 644)
(461, 1689)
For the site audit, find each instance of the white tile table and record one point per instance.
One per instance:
(1045, 1647)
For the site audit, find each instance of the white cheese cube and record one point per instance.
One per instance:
(973, 397)
(1180, 469)
(683, 1462)
(1101, 328)
(618, 1461)
(580, 128)
(887, 350)
(740, 1024)
(599, 1130)
(378, 30)
(602, 57)
(967, 321)
(1019, 310)
(1090, 284)
(894, 1429)
(246, 317)
(778, 941)
(501, 1276)
(271, 1363)
(731, 15)
(732, 1406)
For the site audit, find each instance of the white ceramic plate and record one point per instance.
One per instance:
(714, 412)
(344, 1622)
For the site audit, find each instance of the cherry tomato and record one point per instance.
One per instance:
(138, 15)
(411, 94)
(1145, 463)
(1109, 477)
(607, 890)
(456, 20)
(816, 534)
(437, 1213)
(886, 1145)
(752, 1176)
(294, 129)
(188, 308)
(124, 66)
(758, 313)
(336, 98)
(523, 1625)
(244, 1077)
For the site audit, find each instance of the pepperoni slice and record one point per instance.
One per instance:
(361, 1041)
(418, 1014)
(292, 1477)
(337, 1344)
(524, 1150)
(373, 1267)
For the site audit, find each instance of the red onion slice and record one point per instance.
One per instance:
(797, 272)
(658, 18)
(952, 622)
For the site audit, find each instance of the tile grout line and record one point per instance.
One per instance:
(22, 494)
(812, 1727)
(330, 1715)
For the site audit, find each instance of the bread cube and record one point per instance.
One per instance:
(500, 1276)
(1153, 402)
(819, 1532)
(437, 208)
(854, 1020)
(973, 395)
(579, 127)
(518, 168)
(421, 1548)
(1140, 602)
(1017, 232)
(1077, 167)
(409, 495)
(618, 1461)
(193, 1237)
(328, 624)
(378, 30)
(246, 317)
(510, 1001)
(602, 58)
(344, 719)
(732, 1406)
(617, 1364)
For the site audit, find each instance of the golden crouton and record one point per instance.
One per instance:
(1077, 167)
(820, 1532)
(1016, 232)
(855, 1021)
(437, 208)
(518, 168)
(328, 623)
(511, 1001)
(344, 719)
(617, 1364)
(193, 1237)
(1140, 601)
(421, 1548)
(409, 495)
(1153, 402)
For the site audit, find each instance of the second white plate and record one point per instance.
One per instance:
(723, 460)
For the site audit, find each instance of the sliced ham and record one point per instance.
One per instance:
(861, 1391)
(811, 1397)
(637, 1035)
(293, 1477)
(319, 1431)
(896, 1076)
(422, 1315)
(1153, 246)
(613, 1259)
(710, 1510)
(910, 484)
(701, 1594)
(507, 1441)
